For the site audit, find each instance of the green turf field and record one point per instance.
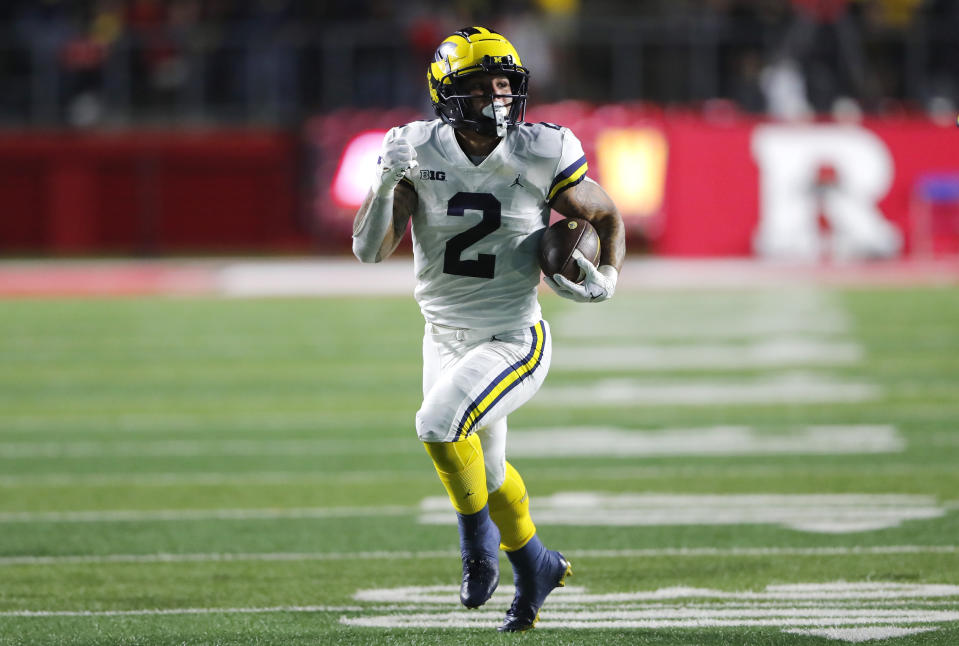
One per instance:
(739, 466)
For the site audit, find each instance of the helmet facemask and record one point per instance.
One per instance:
(456, 106)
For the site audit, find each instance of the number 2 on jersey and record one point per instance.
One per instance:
(485, 263)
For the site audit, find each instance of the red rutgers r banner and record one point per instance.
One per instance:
(735, 186)
(808, 191)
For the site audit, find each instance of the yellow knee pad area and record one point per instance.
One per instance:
(509, 509)
(462, 471)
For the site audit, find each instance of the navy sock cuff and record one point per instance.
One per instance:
(478, 533)
(529, 557)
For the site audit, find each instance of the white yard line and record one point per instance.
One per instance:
(333, 277)
(698, 356)
(544, 442)
(628, 620)
(145, 422)
(620, 442)
(803, 616)
(677, 552)
(697, 327)
(207, 479)
(395, 276)
(809, 512)
(138, 515)
(804, 512)
(175, 611)
(196, 448)
(652, 618)
(856, 550)
(822, 513)
(773, 389)
(765, 316)
(227, 557)
(540, 469)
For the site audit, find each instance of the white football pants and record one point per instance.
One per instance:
(473, 379)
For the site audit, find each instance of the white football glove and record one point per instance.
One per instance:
(397, 158)
(598, 285)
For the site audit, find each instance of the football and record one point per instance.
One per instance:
(558, 243)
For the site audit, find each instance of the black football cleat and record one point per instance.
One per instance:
(479, 547)
(533, 584)
(480, 578)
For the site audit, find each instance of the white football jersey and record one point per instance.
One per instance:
(477, 228)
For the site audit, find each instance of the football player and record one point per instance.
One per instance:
(478, 184)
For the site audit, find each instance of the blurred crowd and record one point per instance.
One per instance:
(92, 62)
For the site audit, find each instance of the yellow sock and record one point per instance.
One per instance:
(462, 471)
(509, 509)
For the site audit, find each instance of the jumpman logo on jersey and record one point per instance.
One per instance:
(516, 181)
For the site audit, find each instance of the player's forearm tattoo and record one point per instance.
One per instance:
(362, 214)
(404, 205)
(592, 199)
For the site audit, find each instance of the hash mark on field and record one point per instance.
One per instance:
(850, 609)
(862, 634)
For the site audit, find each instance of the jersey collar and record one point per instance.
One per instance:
(459, 157)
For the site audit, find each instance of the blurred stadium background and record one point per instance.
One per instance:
(796, 129)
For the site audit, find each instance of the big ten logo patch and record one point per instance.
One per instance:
(439, 175)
